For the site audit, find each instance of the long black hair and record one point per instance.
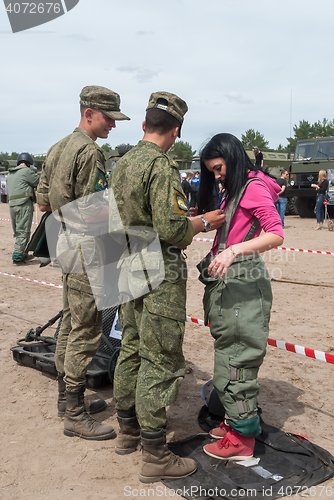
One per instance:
(228, 147)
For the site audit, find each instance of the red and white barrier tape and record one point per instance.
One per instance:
(275, 248)
(194, 320)
(300, 250)
(9, 220)
(305, 351)
(33, 281)
(281, 248)
(202, 239)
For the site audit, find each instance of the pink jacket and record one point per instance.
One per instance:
(257, 201)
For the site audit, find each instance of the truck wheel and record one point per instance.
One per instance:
(305, 207)
(291, 208)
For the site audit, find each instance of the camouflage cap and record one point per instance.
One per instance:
(104, 100)
(170, 103)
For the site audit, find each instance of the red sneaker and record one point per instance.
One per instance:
(221, 431)
(233, 446)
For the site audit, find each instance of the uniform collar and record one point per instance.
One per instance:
(151, 145)
(84, 132)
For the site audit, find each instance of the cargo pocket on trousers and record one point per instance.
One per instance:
(82, 303)
(208, 300)
(167, 325)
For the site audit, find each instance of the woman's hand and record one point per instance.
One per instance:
(262, 243)
(193, 211)
(221, 263)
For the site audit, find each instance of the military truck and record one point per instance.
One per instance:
(113, 155)
(273, 162)
(5, 164)
(311, 156)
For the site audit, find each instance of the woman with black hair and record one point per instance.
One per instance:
(238, 298)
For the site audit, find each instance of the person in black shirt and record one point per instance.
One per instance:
(282, 200)
(185, 186)
(258, 158)
(322, 188)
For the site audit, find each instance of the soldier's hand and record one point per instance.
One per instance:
(216, 218)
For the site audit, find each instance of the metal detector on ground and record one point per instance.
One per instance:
(38, 351)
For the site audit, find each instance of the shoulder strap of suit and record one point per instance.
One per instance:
(231, 208)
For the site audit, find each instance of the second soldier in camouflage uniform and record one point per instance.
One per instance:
(74, 168)
(147, 189)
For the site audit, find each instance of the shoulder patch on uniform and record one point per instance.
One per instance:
(180, 203)
(100, 181)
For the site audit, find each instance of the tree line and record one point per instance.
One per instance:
(304, 130)
(183, 150)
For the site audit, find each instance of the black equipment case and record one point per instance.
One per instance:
(38, 351)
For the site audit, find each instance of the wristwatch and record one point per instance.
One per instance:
(207, 225)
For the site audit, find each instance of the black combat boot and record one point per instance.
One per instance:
(78, 422)
(158, 462)
(93, 407)
(128, 438)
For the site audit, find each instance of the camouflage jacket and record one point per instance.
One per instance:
(147, 189)
(73, 169)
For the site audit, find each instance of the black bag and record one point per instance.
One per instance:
(289, 464)
(38, 243)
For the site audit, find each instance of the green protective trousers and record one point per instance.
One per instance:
(151, 366)
(21, 217)
(238, 310)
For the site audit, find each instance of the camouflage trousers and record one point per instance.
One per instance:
(151, 365)
(80, 332)
(21, 217)
(238, 310)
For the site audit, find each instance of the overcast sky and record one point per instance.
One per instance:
(235, 62)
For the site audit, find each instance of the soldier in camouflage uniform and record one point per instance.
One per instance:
(147, 189)
(74, 168)
(21, 181)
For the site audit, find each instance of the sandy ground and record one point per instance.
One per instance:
(38, 462)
